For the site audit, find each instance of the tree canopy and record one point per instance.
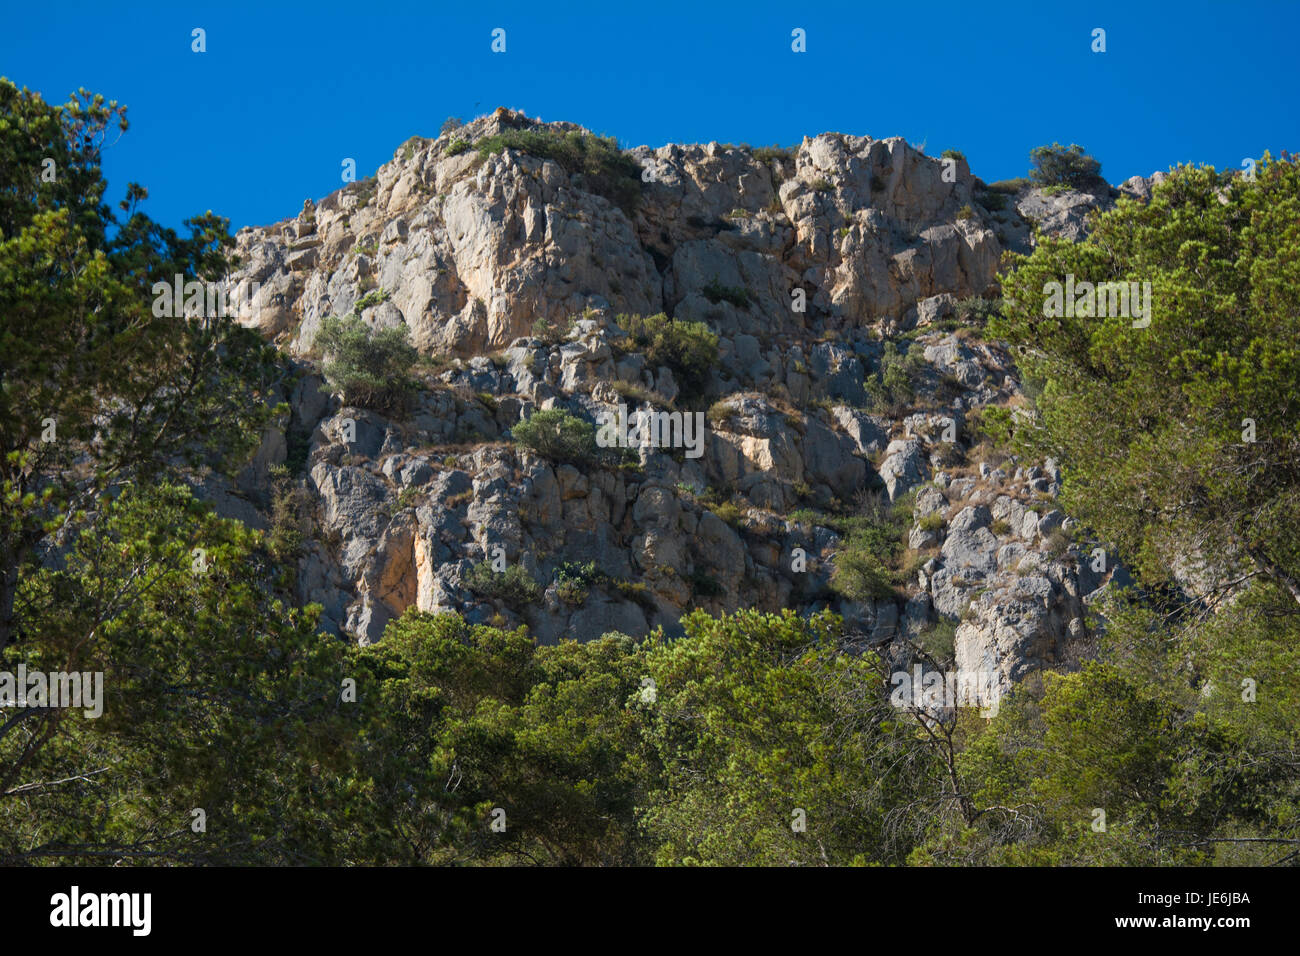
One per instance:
(1180, 440)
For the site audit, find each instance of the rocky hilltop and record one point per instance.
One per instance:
(847, 280)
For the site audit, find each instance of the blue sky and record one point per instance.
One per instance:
(285, 91)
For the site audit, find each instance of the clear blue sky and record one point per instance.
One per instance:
(285, 91)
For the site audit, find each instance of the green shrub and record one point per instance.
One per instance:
(1058, 165)
(560, 436)
(1057, 543)
(995, 423)
(291, 523)
(767, 154)
(822, 186)
(966, 212)
(716, 292)
(552, 332)
(571, 593)
(689, 349)
(574, 581)
(373, 297)
(513, 587)
(860, 575)
(939, 640)
(371, 368)
(456, 147)
(1001, 528)
(931, 522)
(872, 544)
(807, 516)
(730, 512)
(891, 389)
(991, 200)
(978, 308)
(1010, 187)
(953, 154)
(365, 190)
(605, 169)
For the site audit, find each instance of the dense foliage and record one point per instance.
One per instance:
(1180, 439)
(98, 388)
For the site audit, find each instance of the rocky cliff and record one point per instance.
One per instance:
(817, 267)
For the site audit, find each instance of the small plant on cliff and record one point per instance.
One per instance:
(604, 169)
(978, 308)
(574, 581)
(370, 367)
(291, 522)
(552, 332)
(939, 640)
(892, 390)
(560, 436)
(860, 575)
(689, 349)
(514, 587)
(865, 563)
(373, 297)
(716, 292)
(774, 153)
(1058, 165)
(931, 522)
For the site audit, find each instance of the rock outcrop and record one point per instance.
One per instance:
(511, 274)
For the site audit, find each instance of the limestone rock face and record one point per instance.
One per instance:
(902, 468)
(1061, 213)
(512, 275)
(470, 252)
